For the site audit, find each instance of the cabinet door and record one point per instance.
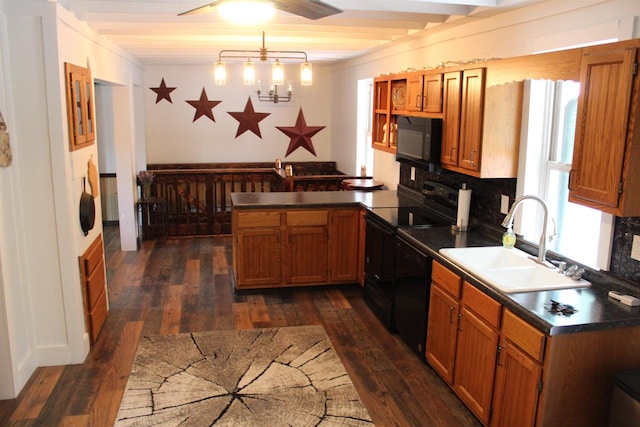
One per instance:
(475, 364)
(258, 257)
(414, 92)
(451, 118)
(307, 254)
(442, 330)
(79, 87)
(516, 391)
(606, 79)
(432, 93)
(344, 245)
(471, 115)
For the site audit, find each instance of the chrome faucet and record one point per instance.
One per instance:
(542, 248)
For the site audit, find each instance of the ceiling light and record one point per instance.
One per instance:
(246, 12)
(249, 72)
(277, 70)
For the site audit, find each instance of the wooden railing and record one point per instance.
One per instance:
(198, 196)
(198, 202)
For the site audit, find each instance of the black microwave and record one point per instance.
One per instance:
(419, 139)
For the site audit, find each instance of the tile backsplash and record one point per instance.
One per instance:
(485, 207)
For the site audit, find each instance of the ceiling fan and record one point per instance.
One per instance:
(311, 9)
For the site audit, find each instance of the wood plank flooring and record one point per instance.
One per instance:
(185, 285)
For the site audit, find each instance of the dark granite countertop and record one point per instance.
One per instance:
(367, 199)
(596, 310)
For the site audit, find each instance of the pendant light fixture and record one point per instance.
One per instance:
(277, 69)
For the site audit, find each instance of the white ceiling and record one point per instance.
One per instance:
(152, 31)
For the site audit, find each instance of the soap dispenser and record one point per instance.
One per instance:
(509, 238)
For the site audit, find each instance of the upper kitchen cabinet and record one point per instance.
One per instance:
(605, 172)
(424, 93)
(80, 114)
(382, 121)
(481, 125)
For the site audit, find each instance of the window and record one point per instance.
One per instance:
(582, 234)
(364, 155)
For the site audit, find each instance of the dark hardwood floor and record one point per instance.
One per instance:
(185, 285)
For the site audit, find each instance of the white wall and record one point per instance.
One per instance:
(173, 136)
(41, 306)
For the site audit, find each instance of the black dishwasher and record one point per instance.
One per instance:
(412, 284)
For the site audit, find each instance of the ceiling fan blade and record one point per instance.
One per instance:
(311, 9)
(202, 9)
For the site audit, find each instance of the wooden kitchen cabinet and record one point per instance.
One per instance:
(424, 93)
(294, 247)
(344, 259)
(605, 173)
(476, 351)
(93, 276)
(463, 117)
(257, 249)
(442, 324)
(518, 374)
(307, 247)
(462, 339)
(80, 113)
(480, 125)
(382, 120)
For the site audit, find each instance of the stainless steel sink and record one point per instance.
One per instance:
(509, 270)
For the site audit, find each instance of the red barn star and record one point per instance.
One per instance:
(203, 106)
(248, 119)
(300, 135)
(163, 92)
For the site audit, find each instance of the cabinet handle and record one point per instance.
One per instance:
(498, 354)
(459, 323)
(451, 153)
(570, 183)
(471, 158)
(451, 309)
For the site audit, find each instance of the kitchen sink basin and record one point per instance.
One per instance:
(509, 270)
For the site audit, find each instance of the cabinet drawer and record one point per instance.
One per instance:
(483, 305)
(447, 279)
(95, 285)
(523, 335)
(97, 316)
(93, 256)
(258, 219)
(307, 218)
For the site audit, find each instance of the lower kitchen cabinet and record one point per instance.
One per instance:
(519, 376)
(509, 373)
(307, 255)
(442, 329)
(260, 263)
(476, 351)
(295, 247)
(344, 262)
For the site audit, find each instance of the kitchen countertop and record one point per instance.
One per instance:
(300, 199)
(596, 311)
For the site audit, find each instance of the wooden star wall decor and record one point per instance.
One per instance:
(300, 135)
(248, 119)
(163, 92)
(203, 106)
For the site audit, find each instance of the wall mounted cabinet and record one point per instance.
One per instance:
(80, 115)
(605, 170)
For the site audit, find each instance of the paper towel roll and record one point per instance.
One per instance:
(464, 202)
